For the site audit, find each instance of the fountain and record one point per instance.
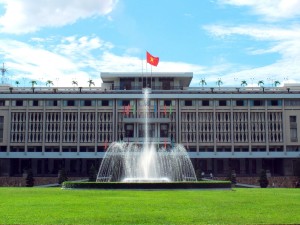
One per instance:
(133, 163)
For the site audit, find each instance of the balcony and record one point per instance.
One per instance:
(150, 120)
(141, 140)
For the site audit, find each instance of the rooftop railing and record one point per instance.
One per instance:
(155, 89)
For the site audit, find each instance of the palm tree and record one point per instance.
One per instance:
(276, 82)
(17, 83)
(49, 82)
(33, 82)
(244, 83)
(74, 82)
(219, 82)
(203, 82)
(260, 83)
(91, 82)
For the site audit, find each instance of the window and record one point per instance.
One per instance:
(19, 103)
(188, 103)
(293, 129)
(293, 132)
(293, 119)
(129, 130)
(1, 128)
(164, 130)
(275, 102)
(35, 103)
(2, 102)
(70, 103)
(125, 102)
(87, 103)
(240, 103)
(222, 103)
(52, 103)
(104, 103)
(167, 102)
(205, 103)
(258, 102)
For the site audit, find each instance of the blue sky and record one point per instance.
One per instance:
(66, 40)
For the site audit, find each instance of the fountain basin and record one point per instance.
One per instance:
(148, 186)
(145, 180)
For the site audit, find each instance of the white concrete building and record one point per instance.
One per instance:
(240, 128)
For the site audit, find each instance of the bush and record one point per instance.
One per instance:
(62, 176)
(29, 180)
(92, 174)
(263, 180)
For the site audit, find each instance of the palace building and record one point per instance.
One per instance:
(223, 128)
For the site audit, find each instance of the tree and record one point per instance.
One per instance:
(244, 83)
(74, 82)
(203, 82)
(198, 174)
(260, 83)
(62, 176)
(219, 82)
(276, 83)
(29, 180)
(263, 180)
(49, 82)
(17, 83)
(92, 174)
(33, 82)
(232, 177)
(91, 82)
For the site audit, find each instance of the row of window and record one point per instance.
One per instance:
(152, 102)
(233, 103)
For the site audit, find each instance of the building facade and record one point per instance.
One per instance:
(223, 128)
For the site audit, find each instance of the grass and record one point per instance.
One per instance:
(237, 206)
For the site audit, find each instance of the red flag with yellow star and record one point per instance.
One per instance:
(152, 60)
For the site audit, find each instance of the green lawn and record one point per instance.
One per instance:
(237, 206)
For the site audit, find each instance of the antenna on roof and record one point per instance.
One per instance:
(3, 71)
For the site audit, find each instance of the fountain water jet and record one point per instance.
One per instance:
(129, 162)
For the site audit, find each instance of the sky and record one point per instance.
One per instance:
(75, 40)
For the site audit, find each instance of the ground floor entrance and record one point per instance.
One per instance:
(81, 167)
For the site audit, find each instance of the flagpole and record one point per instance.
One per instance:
(142, 72)
(151, 77)
(146, 75)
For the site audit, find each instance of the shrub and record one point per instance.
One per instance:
(62, 176)
(92, 174)
(263, 180)
(29, 180)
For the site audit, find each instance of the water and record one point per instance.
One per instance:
(130, 162)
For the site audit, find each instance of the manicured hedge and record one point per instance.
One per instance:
(167, 185)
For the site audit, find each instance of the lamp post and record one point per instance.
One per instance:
(235, 79)
(252, 79)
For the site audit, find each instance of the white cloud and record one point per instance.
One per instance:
(74, 58)
(283, 41)
(259, 32)
(270, 9)
(23, 16)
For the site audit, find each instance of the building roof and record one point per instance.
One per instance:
(184, 77)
